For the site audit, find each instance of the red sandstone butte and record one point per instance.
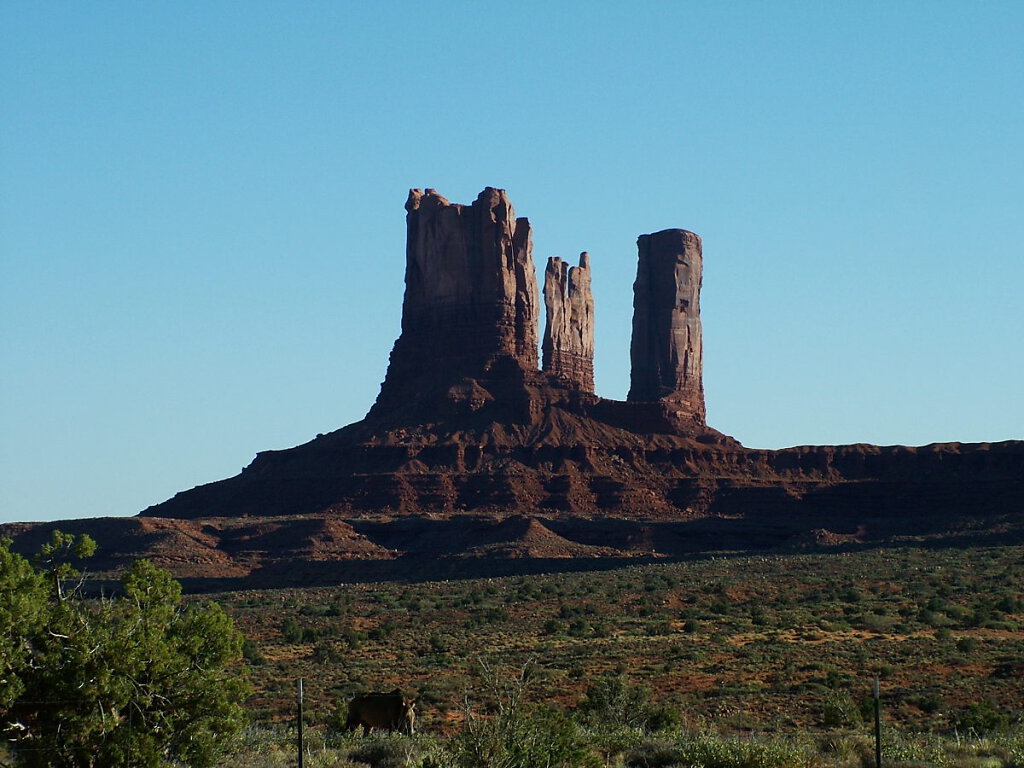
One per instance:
(473, 461)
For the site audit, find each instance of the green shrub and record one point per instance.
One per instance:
(966, 644)
(712, 752)
(578, 628)
(614, 701)
(928, 703)
(517, 735)
(840, 711)
(553, 627)
(386, 750)
(982, 718)
(252, 654)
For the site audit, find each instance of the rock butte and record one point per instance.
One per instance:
(478, 458)
(470, 318)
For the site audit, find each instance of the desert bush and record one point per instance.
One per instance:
(840, 710)
(553, 627)
(516, 735)
(294, 632)
(926, 702)
(437, 644)
(524, 738)
(714, 752)
(847, 749)
(982, 717)
(252, 654)
(614, 701)
(578, 628)
(966, 644)
(386, 750)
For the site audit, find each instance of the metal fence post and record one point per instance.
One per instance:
(878, 727)
(300, 723)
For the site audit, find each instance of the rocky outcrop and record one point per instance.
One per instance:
(468, 345)
(433, 506)
(471, 455)
(568, 347)
(666, 351)
(471, 305)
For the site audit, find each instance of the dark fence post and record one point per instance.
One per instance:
(300, 722)
(878, 727)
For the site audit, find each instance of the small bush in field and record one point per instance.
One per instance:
(840, 710)
(712, 752)
(553, 627)
(517, 735)
(386, 751)
(614, 701)
(982, 718)
(252, 654)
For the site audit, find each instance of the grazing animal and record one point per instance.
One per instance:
(382, 711)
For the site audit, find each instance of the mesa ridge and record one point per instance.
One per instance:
(481, 457)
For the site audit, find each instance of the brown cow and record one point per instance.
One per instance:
(382, 711)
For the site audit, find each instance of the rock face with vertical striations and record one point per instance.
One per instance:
(568, 348)
(471, 307)
(666, 351)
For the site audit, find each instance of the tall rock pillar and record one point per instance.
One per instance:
(568, 347)
(471, 301)
(666, 351)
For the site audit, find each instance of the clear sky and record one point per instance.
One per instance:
(202, 231)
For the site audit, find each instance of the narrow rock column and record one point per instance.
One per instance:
(568, 346)
(666, 351)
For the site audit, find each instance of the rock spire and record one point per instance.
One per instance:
(471, 299)
(568, 347)
(666, 351)
(469, 339)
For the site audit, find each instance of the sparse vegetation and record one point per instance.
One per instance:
(741, 661)
(776, 643)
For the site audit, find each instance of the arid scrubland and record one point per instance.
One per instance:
(758, 660)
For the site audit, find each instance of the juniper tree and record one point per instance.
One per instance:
(140, 679)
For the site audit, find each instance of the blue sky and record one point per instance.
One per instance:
(202, 232)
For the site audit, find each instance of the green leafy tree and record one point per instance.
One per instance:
(23, 600)
(55, 558)
(137, 680)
